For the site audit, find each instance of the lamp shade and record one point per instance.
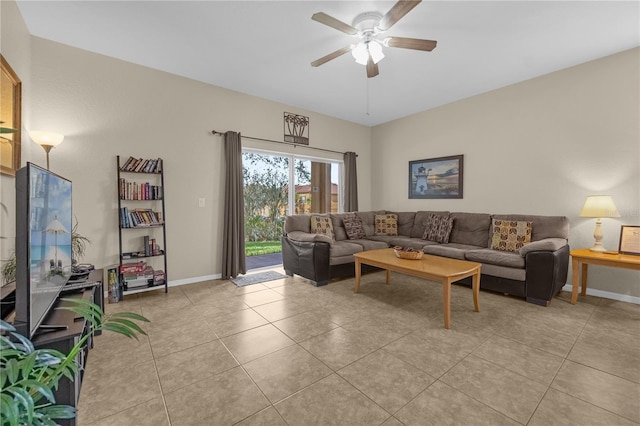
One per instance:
(360, 53)
(46, 138)
(599, 206)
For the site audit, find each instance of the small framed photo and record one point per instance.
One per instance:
(629, 240)
(436, 177)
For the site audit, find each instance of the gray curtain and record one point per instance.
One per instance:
(350, 182)
(233, 260)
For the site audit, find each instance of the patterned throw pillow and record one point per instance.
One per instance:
(438, 228)
(510, 235)
(386, 224)
(353, 227)
(322, 225)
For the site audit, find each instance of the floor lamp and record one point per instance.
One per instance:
(47, 140)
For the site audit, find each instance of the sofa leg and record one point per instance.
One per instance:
(289, 273)
(540, 302)
(320, 283)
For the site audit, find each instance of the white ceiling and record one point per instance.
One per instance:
(264, 48)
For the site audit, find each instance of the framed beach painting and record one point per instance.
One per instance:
(436, 177)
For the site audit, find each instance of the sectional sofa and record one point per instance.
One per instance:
(535, 268)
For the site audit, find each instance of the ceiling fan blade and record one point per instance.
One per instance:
(411, 43)
(372, 68)
(332, 22)
(401, 8)
(331, 56)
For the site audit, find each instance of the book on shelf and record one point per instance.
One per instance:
(141, 165)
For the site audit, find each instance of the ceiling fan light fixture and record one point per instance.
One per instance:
(360, 53)
(375, 49)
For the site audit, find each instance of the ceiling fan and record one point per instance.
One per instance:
(368, 27)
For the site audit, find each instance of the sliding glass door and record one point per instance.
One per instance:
(268, 177)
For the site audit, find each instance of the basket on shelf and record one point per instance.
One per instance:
(411, 255)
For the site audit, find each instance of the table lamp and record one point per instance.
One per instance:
(599, 206)
(47, 140)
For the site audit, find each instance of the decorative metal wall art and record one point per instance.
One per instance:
(296, 128)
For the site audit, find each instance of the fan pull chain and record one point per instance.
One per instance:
(367, 96)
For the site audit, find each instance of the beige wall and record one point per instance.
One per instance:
(106, 107)
(537, 147)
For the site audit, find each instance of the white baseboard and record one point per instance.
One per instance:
(606, 294)
(176, 283)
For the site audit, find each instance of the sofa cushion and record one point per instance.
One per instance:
(420, 222)
(495, 257)
(405, 222)
(370, 244)
(369, 220)
(353, 227)
(543, 226)
(414, 243)
(344, 248)
(297, 222)
(470, 229)
(510, 235)
(384, 238)
(517, 274)
(438, 228)
(322, 225)
(453, 250)
(386, 224)
(308, 237)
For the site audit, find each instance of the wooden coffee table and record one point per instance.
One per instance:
(435, 268)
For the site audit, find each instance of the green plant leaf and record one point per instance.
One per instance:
(120, 329)
(41, 388)
(129, 315)
(13, 370)
(26, 343)
(127, 323)
(5, 326)
(59, 411)
(9, 410)
(23, 398)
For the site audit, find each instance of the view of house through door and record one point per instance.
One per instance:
(267, 198)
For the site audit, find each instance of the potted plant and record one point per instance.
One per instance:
(29, 376)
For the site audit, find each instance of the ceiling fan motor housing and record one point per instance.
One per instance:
(367, 24)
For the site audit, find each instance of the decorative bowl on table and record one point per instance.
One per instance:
(407, 253)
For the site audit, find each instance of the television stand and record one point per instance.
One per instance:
(61, 330)
(43, 328)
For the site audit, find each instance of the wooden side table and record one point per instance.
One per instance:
(587, 257)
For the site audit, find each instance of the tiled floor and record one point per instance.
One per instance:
(287, 353)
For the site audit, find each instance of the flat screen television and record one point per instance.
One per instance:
(43, 244)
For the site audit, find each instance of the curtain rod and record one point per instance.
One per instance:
(215, 132)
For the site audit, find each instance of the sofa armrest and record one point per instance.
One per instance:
(308, 237)
(546, 274)
(309, 259)
(547, 244)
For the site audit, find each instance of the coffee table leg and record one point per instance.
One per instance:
(357, 276)
(388, 274)
(476, 291)
(446, 296)
(575, 272)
